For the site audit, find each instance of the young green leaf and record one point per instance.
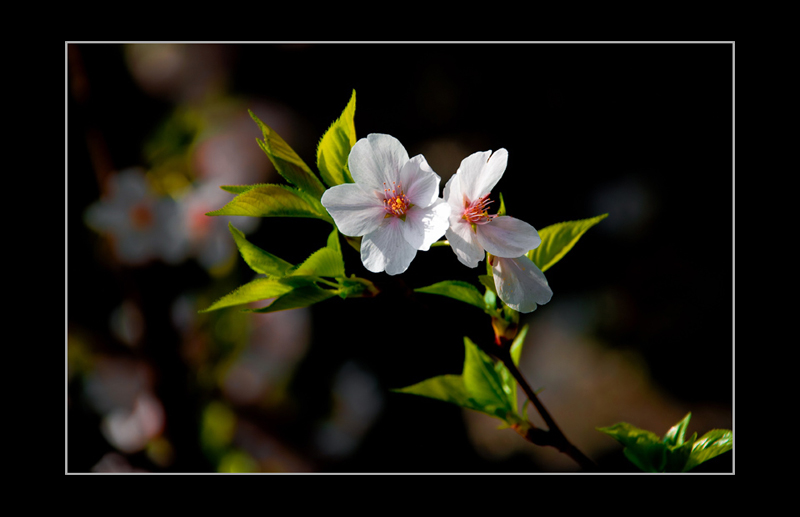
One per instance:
(458, 290)
(483, 382)
(710, 445)
(323, 262)
(675, 435)
(274, 201)
(516, 346)
(447, 388)
(255, 290)
(303, 296)
(287, 162)
(334, 147)
(259, 260)
(558, 239)
(643, 448)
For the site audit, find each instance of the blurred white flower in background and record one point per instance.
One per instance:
(140, 225)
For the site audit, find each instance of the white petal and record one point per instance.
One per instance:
(420, 184)
(453, 195)
(520, 284)
(508, 237)
(481, 171)
(386, 249)
(464, 242)
(424, 226)
(355, 211)
(377, 160)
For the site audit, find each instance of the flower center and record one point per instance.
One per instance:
(475, 212)
(395, 202)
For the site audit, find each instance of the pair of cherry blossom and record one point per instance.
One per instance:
(394, 205)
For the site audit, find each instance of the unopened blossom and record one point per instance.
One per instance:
(393, 204)
(520, 283)
(472, 229)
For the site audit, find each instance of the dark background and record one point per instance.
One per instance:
(641, 131)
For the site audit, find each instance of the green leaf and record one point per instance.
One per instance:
(643, 448)
(287, 162)
(502, 209)
(238, 189)
(259, 260)
(488, 282)
(334, 147)
(300, 297)
(558, 239)
(323, 262)
(678, 455)
(483, 382)
(274, 201)
(516, 346)
(333, 241)
(447, 388)
(458, 290)
(480, 387)
(258, 289)
(710, 445)
(675, 435)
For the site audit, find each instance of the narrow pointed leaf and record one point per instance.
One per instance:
(675, 435)
(447, 388)
(299, 297)
(334, 147)
(259, 260)
(274, 201)
(710, 445)
(287, 162)
(516, 346)
(678, 456)
(333, 241)
(458, 290)
(258, 289)
(558, 239)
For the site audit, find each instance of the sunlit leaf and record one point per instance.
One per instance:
(334, 147)
(482, 380)
(256, 290)
(447, 388)
(710, 445)
(274, 201)
(676, 433)
(458, 290)
(259, 260)
(287, 162)
(558, 239)
(304, 296)
(643, 448)
(516, 346)
(323, 262)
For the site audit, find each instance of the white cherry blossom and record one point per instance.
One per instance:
(393, 204)
(520, 283)
(472, 230)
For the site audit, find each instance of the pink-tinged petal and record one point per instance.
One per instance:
(508, 237)
(481, 171)
(464, 242)
(385, 249)
(377, 160)
(355, 211)
(520, 284)
(419, 183)
(424, 226)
